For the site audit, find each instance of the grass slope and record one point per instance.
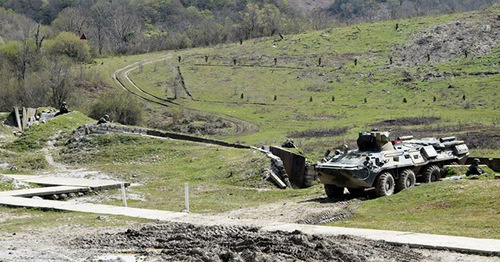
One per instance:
(462, 208)
(304, 91)
(219, 178)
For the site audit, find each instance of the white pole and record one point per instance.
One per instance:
(124, 196)
(186, 197)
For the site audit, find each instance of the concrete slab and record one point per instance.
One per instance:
(67, 181)
(44, 191)
(417, 240)
(93, 208)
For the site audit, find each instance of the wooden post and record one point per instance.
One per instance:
(18, 119)
(124, 196)
(186, 198)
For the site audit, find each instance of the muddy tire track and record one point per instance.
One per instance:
(186, 242)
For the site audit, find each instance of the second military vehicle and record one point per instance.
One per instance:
(388, 166)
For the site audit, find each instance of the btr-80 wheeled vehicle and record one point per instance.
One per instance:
(388, 166)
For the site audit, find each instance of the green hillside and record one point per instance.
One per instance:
(316, 101)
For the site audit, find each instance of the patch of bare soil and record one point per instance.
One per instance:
(313, 211)
(181, 242)
(320, 132)
(408, 121)
(445, 42)
(193, 123)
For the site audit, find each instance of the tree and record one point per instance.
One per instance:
(99, 21)
(250, 20)
(124, 25)
(271, 19)
(59, 80)
(18, 57)
(71, 19)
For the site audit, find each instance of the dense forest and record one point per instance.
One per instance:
(40, 39)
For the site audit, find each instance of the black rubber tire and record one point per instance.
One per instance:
(357, 192)
(385, 185)
(431, 174)
(333, 191)
(406, 180)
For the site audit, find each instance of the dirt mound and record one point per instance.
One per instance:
(408, 121)
(449, 41)
(343, 210)
(181, 242)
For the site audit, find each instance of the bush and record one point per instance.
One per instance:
(121, 107)
(69, 44)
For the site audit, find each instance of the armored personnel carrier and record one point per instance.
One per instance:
(388, 166)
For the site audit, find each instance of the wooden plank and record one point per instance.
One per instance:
(295, 165)
(25, 118)
(31, 113)
(18, 118)
(276, 179)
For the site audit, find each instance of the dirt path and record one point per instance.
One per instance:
(315, 211)
(123, 75)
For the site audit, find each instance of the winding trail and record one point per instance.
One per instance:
(122, 78)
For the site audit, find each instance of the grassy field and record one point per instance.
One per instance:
(318, 105)
(220, 179)
(462, 208)
(297, 95)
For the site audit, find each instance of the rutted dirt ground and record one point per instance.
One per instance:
(314, 211)
(184, 242)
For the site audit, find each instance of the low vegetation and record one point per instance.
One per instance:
(461, 208)
(120, 106)
(36, 137)
(220, 179)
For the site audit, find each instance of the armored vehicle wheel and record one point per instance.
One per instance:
(333, 191)
(406, 180)
(384, 185)
(431, 174)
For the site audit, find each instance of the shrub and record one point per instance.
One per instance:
(121, 107)
(69, 44)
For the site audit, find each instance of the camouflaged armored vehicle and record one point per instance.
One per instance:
(388, 166)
